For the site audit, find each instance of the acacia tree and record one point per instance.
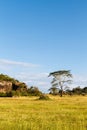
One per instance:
(61, 79)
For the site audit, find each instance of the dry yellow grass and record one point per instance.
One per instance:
(26, 113)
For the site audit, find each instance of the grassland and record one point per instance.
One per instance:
(67, 113)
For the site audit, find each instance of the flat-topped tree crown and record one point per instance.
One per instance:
(61, 73)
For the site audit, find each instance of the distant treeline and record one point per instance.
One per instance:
(75, 91)
(78, 91)
(10, 87)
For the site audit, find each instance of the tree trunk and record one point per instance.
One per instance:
(61, 92)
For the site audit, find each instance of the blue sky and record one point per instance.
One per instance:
(41, 36)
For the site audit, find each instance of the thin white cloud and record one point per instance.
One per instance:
(5, 62)
(33, 76)
(40, 80)
(78, 80)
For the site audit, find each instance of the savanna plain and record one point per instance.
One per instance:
(28, 113)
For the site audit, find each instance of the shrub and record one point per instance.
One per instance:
(2, 94)
(34, 91)
(44, 97)
(9, 94)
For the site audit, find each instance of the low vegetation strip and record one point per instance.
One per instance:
(24, 113)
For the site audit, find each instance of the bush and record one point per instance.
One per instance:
(44, 97)
(9, 94)
(34, 91)
(2, 94)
